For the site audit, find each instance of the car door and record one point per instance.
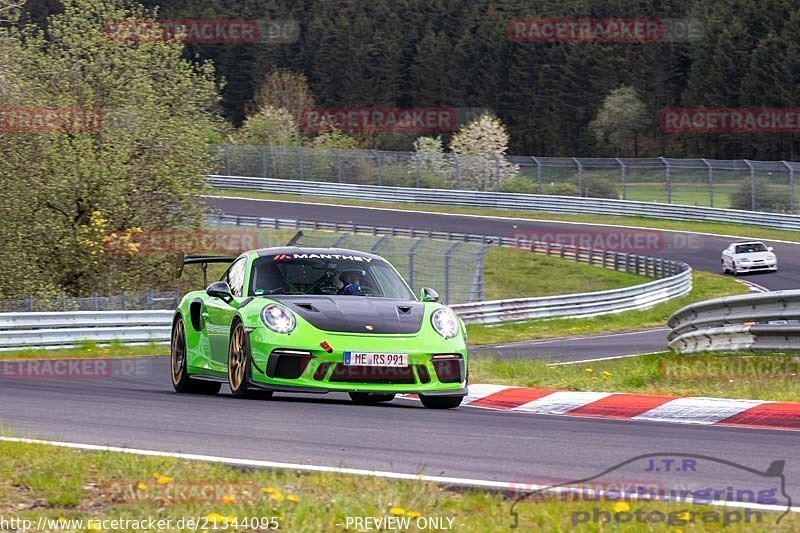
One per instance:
(220, 315)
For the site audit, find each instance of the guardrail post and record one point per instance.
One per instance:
(710, 182)
(752, 184)
(580, 176)
(668, 176)
(791, 187)
(624, 177)
(538, 173)
(447, 256)
(228, 162)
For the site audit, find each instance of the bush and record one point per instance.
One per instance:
(560, 189)
(769, 197)
(594, 187)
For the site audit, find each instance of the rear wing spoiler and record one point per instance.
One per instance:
(202, 260)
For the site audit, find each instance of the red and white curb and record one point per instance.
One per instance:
(640, 407)
(753, 287)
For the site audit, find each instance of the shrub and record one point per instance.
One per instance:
(769, 197)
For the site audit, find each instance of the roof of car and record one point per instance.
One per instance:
(314, 251)
(746, 242)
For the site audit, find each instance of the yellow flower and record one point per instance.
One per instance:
(588, 370)
(94, 526)
(227, 499)
(277, 496)
(267, 490)
(215, 517)
(397, 511)
(163, 480)
(62, 519)
(621, 507)
(141, 486)
(606, 373)
(156, 475)
(413, 514)
(293, 498)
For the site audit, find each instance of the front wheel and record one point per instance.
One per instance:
(369, 399)
(239, 355)
(181, 381)
(441, 402)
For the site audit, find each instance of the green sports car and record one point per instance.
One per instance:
(317, 320)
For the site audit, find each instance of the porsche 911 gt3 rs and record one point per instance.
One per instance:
(317, 320)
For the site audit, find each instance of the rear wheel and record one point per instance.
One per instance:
(365, 398)
(181, 381)
(239, 355)
(441, 402)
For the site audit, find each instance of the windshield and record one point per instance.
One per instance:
(329, 274)
(751, 248)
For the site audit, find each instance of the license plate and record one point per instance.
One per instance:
(375, 359)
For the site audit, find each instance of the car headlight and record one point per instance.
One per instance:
(745, 260)
(445, 322)
(278, 318)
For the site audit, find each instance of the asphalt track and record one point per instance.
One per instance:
(135, 407)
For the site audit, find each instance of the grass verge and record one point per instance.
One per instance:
(771, 377)
(705, 287)
(741, 230)
(43, 481)
(88, 349)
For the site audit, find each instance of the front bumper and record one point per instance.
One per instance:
(282, 365)
(756, 267)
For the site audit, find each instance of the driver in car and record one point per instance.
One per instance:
(352, 280)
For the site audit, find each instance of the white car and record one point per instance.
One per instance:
(750, 256)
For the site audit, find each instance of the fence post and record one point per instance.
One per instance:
(228, 164)
(29, 299)
(710, 182)
(476, 294)
(419, 171)
(580, 177)
(752, 184)
(668, 176)
(623, 172)
(122, 302)
(497, 173)
(457, 168)
(264, 158)
(95, 301)
(447, 255)
(338, 165)
(301, 162)
(378, 166)
(538, 173)
(149, 298)
(411, 252)
(791, 186)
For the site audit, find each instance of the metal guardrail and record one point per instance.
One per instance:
(499, 200)
(19, 331)
(755, 322)
(673, 279)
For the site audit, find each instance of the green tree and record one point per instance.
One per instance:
(621, 120)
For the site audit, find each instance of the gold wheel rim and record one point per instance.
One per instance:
(177, 352)
(237, 359)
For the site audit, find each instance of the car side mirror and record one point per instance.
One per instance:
(427, 294)
(221, 290)
(770, 249)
